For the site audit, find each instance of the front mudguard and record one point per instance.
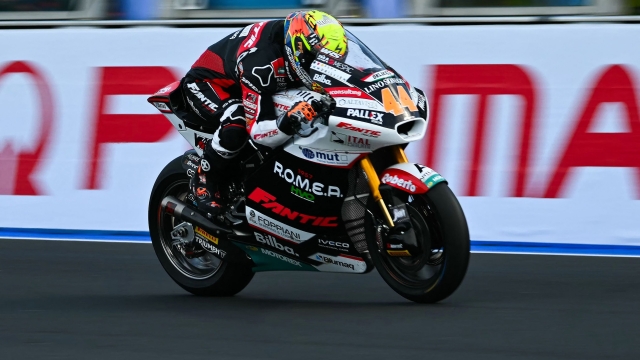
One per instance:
(411, 178)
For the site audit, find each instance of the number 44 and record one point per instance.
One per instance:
(393, 104)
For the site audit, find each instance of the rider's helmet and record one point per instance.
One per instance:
(309, 33)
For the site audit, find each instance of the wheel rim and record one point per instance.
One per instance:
(424, 269)
(199, 268)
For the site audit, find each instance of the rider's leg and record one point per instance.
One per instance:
(227, 114)
(219, 155)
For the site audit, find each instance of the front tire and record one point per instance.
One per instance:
(437, 270)
(203, 276)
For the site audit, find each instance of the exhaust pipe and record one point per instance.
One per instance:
(179, 209)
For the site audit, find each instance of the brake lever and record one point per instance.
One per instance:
(312, 125)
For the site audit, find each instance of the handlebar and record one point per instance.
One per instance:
(311, 129)
(324, 107)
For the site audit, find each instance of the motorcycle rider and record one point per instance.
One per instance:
(231, 86)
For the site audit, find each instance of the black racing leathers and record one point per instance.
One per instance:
(231, 86)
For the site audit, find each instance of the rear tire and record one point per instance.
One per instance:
(204, 276)
(442, 232)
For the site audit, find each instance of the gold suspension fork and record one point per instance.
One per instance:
(374, 181)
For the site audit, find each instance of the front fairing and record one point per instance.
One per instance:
(365, 89)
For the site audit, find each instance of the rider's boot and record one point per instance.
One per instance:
(206, 184)
(206, 191)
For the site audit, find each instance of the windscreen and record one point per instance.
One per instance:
(360, 57)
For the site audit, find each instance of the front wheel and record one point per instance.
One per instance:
(205, 275)
(438, 267)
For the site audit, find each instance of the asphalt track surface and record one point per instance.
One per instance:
(80, 300)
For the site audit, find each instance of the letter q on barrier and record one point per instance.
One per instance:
(17, 167)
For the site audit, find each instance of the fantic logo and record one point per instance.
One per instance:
(363, 131)
(403, 183)
(374, 117)
(269, 134)
(271, 241)
(254, 35)
(205, 101)
(281, 107)
(268, 202)
(302, 187)
(322, 78)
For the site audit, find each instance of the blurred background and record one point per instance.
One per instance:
(193, 9)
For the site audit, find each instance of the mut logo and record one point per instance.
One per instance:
(268, 202)
(365, 132)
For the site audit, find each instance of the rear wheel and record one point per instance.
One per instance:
(437, 268)
(205, 275)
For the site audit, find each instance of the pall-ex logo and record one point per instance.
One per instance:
(374, 117)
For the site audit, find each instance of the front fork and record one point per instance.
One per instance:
(374, 181)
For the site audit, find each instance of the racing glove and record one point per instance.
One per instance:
(290, 121)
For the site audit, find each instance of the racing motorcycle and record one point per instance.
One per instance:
(339, 196)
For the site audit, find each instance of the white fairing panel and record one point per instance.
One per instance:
(345, 140)
(189, 134)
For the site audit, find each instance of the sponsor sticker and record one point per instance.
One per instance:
(378, 76)
(210, 248)
(399, 181)
(349, 140)
(331, 71)
(268, 201)
(281, 257)
(374, 117)
(361, 130)
(276, 228)
(322, 78)
(398, 253)
(205, 235)
(341, 263)
(302, 186)
(382, 84)
(273, 242)
(365, 104)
